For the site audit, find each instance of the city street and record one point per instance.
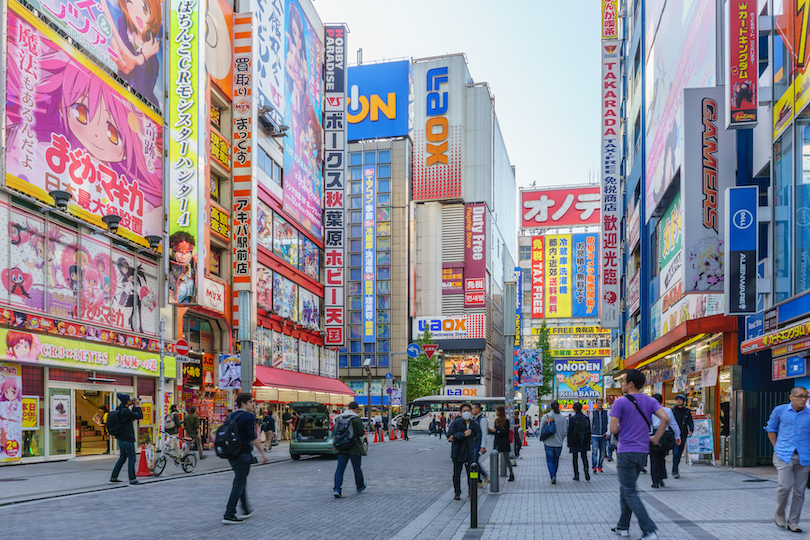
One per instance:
(409, 497)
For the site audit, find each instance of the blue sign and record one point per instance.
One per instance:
(741, 255)
(754, 325)
(586, 279)
(380, 100)
(796, 366)
(518, 273)
(369, 252)
(414, 350)
(389, 376)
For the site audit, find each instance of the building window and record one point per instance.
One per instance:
(383, 229)
(384, 199)
(383, 244)
(383, 302)
(383, 331)
(368, 347)
(216, 184)
(383, 345)
(355, 303)
(354, 346)
(355, 202)
(383, 171)
(369, 157)
(343, 361)
(525, 253)
(354, 274)
(384, 272)
(384, 186)
(355, 289)
(354, 246)
(384, 257)
(782, 230)
(355, 158)
(355, 231)
(383, 214)
(355, 361)
(384, 317)
(356, 259)
(268, 166)
(356, 188)
(384, 156)
(383, 360)
(355, 217)
(384, 287)
(216, 261)
(355, 173)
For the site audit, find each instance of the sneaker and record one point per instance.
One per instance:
(643, 471)
(650, 536)
(676, 475)
(594, 470)
(362, 488)
(231, 520)
(115, 481)
(621, 532)
(134, 483)
(247, 515)
(600, 469)
(610, 459)
(337, 494)
(553, 480)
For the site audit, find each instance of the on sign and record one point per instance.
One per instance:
(557, 207)
(181, 347)
(430, 349)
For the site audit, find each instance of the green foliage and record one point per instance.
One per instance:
(548, 362)
(424, 375)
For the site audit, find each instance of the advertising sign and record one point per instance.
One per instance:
(674, 309)
(208, 372)
(147, 409)
(517, 276)
(634, 229)
(60, 411)
(30, 413)
(528, 369)
(219, 18)
(438, 136)
(475, 254)
(790, 18)
(670, 245)
(754, 325)
(632, 344)
(335, 179)
(103, 146)
(270, 21)
(785, 335)
(558, 275)
(192, 372)
(578, 379)
(451, 327)
(303, 162)
(380, 100)
(580, 352)
(634, 293)
(11, 412)
(452, 279)
(571, 330)
(538, 277)
(468, 391)
(230, 372)
(741, 254)
(701, 441)
(462, 367)
(560, 207)
(586, 280)
(285, 297)
(610, 19)
(610, 259)
(789, 367)
(369, 252)
(214, 295)
(742, 64)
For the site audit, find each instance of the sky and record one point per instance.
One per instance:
(540, 58)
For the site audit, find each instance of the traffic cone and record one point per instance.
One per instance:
(382, 435)
(376, 436)
(143, 468)
(393, 436)
(525, 442)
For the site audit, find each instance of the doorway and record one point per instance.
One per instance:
(91, 436)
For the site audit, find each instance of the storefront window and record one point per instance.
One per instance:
(60, 410)
(783, 199)
(802, 213)
(33, 412)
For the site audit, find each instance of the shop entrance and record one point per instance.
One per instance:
(91, 437)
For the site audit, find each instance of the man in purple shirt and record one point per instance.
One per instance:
(630, 420)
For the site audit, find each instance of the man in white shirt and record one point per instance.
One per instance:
(658, 463)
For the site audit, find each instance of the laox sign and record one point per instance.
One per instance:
(446, 325)
(468, 392)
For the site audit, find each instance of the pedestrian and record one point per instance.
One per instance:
(286, 418)
(683, 416)
(462, 433)
(172, 428)
(554, 443)
(658, 456)
(434, 426)
(192, 425)
(240, 463)
(516, 432)
(789, 431)
(128, 411)
(579, 439)
(269, 429)
(481, 441)
(599, 435)
(501, 444)
(350, 423)
(630, 421)
(443, 425)
(406, 423)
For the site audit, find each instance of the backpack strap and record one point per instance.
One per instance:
(633, 401)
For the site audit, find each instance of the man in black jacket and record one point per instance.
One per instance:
(126, 438)
(240, 463)
(684, 419)
(462, 432)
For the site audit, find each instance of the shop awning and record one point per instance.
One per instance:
(279, 378)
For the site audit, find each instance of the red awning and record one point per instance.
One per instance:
(267, 376)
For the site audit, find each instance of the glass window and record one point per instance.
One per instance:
(368, 347)
(354, 274)
(383, 214)
(384, 186)
(384, 156)
(369, 157)
(355, 360)
(383, 345)
(802, 217)
(384, 272)
(356, 188)
(383, 331)
(354, 245)
(355, 202)
(525, 253)
(355, 302)
(782, 232)
(383, 244)
(355, 216)
(355, 158)
(383, 171)
(383, 229)
(355, 288)
(384, 287)
(383, 360)
(384, 199)
(355, 318)
(355, 173)
(384, 317)
(355, 231)
(354, 346)
(383, 302)
(355, 259)
(343, 361)
(384, 257)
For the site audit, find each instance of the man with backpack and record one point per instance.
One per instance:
(233, 441)
(350, 444)
(579, 439)
(119, 425)
(269, 428)
(481, 441)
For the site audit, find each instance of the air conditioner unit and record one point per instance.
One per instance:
(624, 305)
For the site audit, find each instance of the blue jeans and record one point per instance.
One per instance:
(599, 446)
(629, 465)
(553, 459)
(343, 460)
(127, 454)
(677, 453)
(241, 469)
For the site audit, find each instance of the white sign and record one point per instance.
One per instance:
(450, 327)
(471, 391)
(213, 295)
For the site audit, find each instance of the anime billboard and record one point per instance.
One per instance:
(71, 127)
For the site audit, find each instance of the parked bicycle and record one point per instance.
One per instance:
(178, 450)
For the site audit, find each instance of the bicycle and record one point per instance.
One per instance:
(184, 459)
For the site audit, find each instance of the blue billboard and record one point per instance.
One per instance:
(369, 251)
(380, 100)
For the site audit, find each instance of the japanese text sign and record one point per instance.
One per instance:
(742, 63)
(586, 279)
(538, 277)
(475, 254)
(559, 282)
(611, 192)
(369, 252)
(560, 207)
(610, 19)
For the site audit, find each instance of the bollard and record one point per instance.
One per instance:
(474, 496)
(494, 479)
(504, 456)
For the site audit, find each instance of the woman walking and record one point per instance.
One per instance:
(501, 432)
(579, 438)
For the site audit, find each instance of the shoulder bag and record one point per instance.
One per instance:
(667, 440)
(549, 429)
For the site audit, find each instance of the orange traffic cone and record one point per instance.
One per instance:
(376, 436)
(393, 435)
(382, 435)
(143, 468)
(525, 442)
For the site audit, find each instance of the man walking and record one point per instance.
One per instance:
(286, 418)
(126, 436)
(240, 463)
(553, 444)
(462, 433)
(269, 429)
(443, 424)
(192, 425)
(405, 423)
(579, 438)
(599, 435)
(351, 423)
(481, 441)
(683, 417)
(789, 431)
(630, 419)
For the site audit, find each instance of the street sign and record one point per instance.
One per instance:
(430, 349)
(181, 347)
(389, 375)
(414, 350)
(389, 390)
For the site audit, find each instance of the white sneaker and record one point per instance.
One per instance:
(621, 532)
(650, 536)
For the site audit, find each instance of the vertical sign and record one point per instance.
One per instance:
(609, 267)
(538, 277)
(610, 22)
(243, 136)
(369, 251)
(741, 255)
(558, 275)
(475, 254)
(11, 403)
(585, 279)
(518, 277)
(270, 26)
(187, 120)
(742, 63)
(335, 177)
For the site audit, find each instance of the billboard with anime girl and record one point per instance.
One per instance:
(70, 127)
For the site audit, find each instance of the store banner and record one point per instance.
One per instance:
(230, 372)
(549, 208)
(148, 411)
(742, 233)
(538, 277)
(30, 413)
(528, 369)
(580, 352)
(475, 254)
(670, 246)
(369, 253)
(380, 101)
(559, 283)
(610, 260)
(578, 379)
(610, 19)
(452, 278)
(451, 326)
(571, 330)
(742, 64)
(586, 278)
(11, 412)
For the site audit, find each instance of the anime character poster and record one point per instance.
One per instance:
(303, 148)
(290, 362)
(278, 350)
(528, 367)
(285, 297)
(11, 410)
(309, 309)
(264, 226)
(23, 278)
(71, 127)
(308, 261)
(285, 240)
(134, 301)
(230, 372)
(264, 288)
(182, 268)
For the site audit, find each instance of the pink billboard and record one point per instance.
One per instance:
(475, 254)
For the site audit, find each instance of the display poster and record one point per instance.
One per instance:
(289, 353)
(369, 229)
(475, 259)
(285, 240)
(54, 139)
(277, 352)
(30, 413)
(634, 229)
(671, 312)
(303, 147)
(308, 257)
(285, 297)
(538, 278)
(634, 293)
(230, 372)
(264, 226)
(192, 372)
(585, 253)
(632, 341)
(11, 412)
(208, 372)
(264, 288)
(708, 377)
(559, 283)
(531, 396)
(742, 63)
(578, 379)
(452, 279)
(702, 440)
(271, 28)
(670, 246)
(309, 309)
(549, 208)
(528, 368)
(148, 411)
(60, 412)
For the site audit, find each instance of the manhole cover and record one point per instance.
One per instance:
(13, 479)
(755, 480)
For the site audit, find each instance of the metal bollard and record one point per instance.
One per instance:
(474, 496)
(504, 456)
(494, 479)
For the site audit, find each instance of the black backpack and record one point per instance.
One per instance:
(113, 424)
(581, 433)
(344, 432)
(228, 443)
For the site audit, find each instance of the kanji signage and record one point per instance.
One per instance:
(742, 63)
(610, 19)
(585, 276)
(475, 254)
(538, 277)
(560, 207)
(558, 275)
(369, 252)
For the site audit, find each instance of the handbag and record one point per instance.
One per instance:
(549, 429)
(667, 440)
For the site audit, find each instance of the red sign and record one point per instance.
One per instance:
(452, 280)
(475, 254)
(429, 349)
(538, 277)
(181, 347)
(741, 100)
(560, 207)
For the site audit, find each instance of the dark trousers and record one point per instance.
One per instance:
(658, 466)
(677, 453)
(629, 465)
(241, 469)
(457, 465)
(342, 461)
(518, 442)
(127, 454)
(580, 455)
(405, 433)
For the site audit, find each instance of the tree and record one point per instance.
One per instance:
(424, 375)
(548, 363)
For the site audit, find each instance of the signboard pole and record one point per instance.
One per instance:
(161, 384)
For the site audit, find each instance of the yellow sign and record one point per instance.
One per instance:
(220, 150)
(146, 409)
(219, 222)
(559, 280)
(30, 413)
(571, 330)
(580, 352)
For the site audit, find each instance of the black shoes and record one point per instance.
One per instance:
(576, 478)
(587, 476)
(511, 478)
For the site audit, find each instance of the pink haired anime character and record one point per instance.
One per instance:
(10, 410)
